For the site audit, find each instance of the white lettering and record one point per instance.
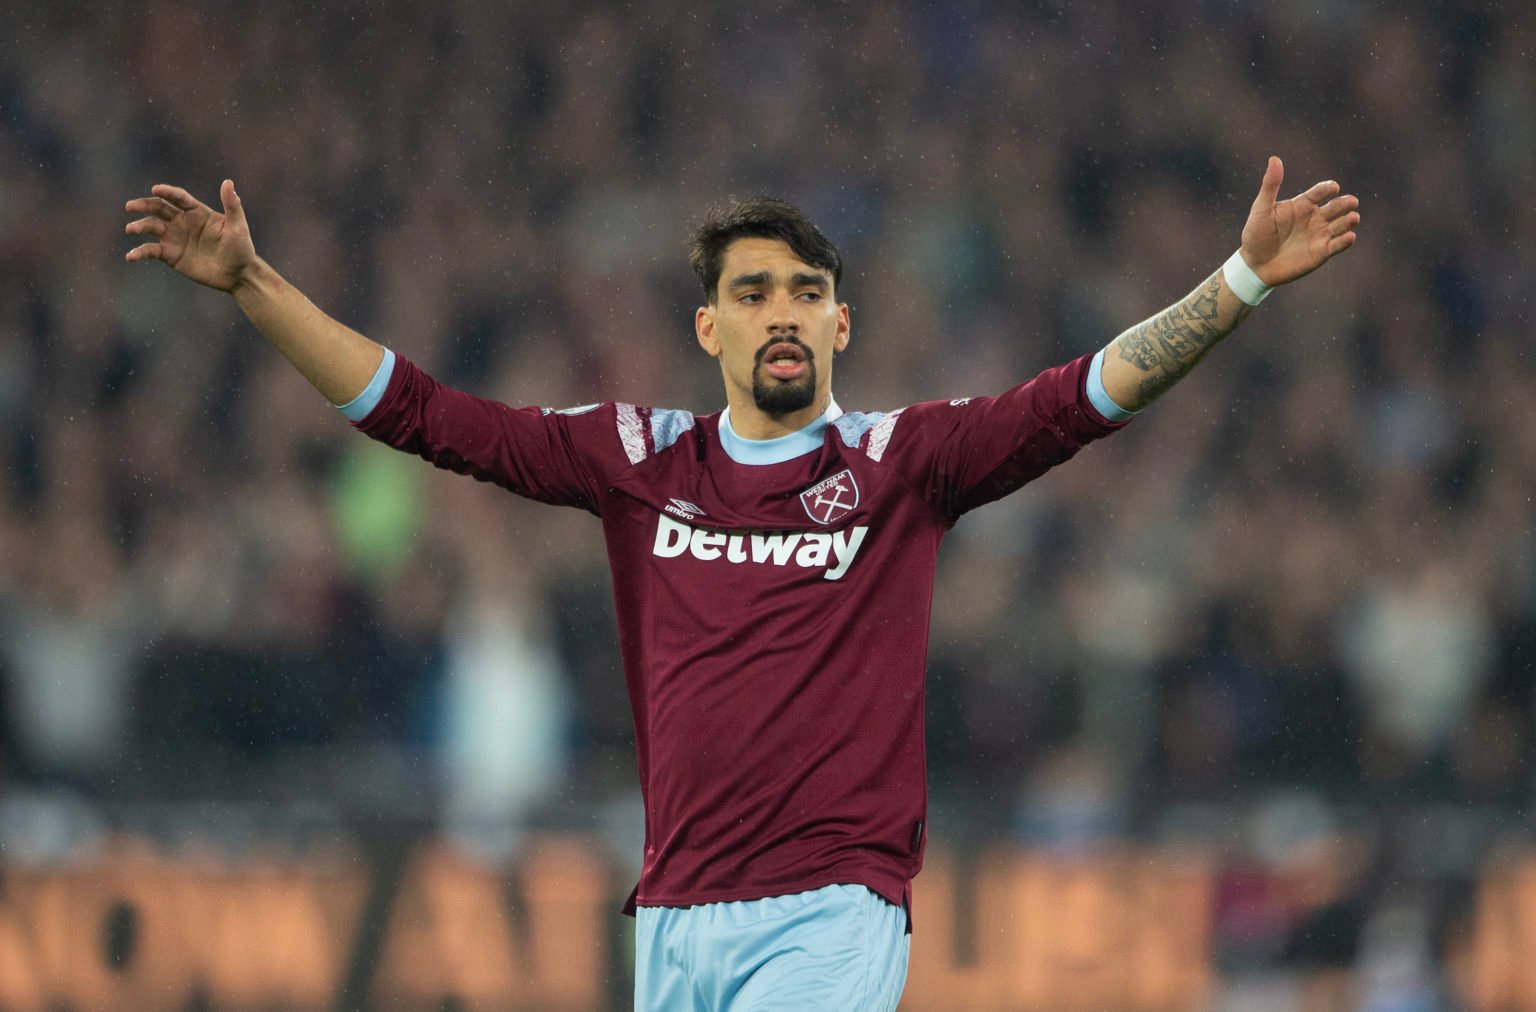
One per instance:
(780, 546)
(815, 550)
(809, 550)
(846, 544)
(705, 544)
(671, 538)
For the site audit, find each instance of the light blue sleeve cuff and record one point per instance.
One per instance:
(358, 407)
(1099, 397)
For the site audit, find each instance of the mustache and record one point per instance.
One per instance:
(810, 356)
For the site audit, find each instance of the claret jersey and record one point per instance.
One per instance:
(773, 617)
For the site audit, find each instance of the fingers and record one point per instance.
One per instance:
(1339, 206)
(1320, 192)
(148, 251)
(1341, 215)
(1343, 223)
(1269, 189)
(176, 196)
(146, 226)
(231, 200)
(152, 205)
(1338, 244)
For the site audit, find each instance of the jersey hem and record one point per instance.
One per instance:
(895, 898)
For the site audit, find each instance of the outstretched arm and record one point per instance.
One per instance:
(1282, 241)
(215, 249)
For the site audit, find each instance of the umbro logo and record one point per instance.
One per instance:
(683, 508)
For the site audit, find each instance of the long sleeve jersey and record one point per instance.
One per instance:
(773, 617)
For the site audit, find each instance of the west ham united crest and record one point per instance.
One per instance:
(831, 499)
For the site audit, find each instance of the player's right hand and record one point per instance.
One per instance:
(192, 238)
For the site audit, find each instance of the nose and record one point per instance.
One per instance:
(781, 316)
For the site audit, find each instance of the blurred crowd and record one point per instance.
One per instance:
(1311, 568)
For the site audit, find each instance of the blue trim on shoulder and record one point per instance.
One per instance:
(780, 449)
(1099, 397)
(667, 424)
(854, 424)
(358, 407)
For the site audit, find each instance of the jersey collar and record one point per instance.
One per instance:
(780, 448)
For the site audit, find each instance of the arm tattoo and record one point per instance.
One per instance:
(1169, 344)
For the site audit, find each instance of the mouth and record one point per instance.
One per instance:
(784, 360)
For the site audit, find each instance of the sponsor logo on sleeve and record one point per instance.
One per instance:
(831, 499)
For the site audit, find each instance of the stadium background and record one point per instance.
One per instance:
(1234, 711)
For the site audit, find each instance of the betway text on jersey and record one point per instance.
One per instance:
(832, 551)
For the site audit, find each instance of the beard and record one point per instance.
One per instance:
(777, 398)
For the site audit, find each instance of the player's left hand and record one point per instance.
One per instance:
(1287, 239)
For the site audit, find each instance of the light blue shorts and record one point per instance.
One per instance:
(840, 948)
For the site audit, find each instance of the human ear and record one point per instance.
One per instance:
(704, 330)
(842, 335)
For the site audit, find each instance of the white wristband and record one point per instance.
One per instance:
(1244, 283)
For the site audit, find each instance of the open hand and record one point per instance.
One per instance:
(192, 238)
(1287, 239)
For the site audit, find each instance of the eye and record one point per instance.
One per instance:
(752, 297)
(812, 296)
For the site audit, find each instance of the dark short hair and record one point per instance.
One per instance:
(757, 218)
